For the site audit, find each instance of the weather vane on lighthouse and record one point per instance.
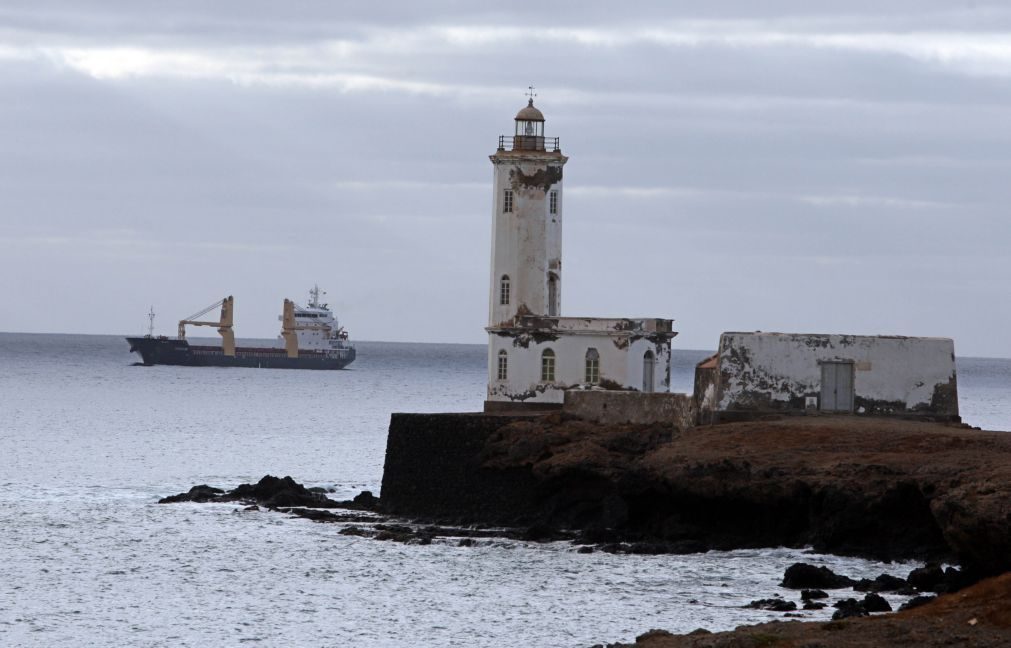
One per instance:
(530, 93)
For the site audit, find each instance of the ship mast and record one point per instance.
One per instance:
(314, 296)
(150, 322)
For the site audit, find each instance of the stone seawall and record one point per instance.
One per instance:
(434, 469)
(616, 407)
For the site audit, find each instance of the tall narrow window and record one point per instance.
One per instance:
(592, 366)
(553, 203)
(503, 365)
(507, 201)
(548, 366)
(552, 295)
(503, 291)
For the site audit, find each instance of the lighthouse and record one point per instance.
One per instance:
(535, 354)
(526, 254)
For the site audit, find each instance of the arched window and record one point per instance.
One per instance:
(503, 291)
(592, 366)
(548, 366)
(648, 365)
(503, 365)
(552, 294)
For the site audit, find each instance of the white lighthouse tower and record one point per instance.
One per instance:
(534, 354)
(526, 254)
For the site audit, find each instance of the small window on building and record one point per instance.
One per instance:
(548, 366)
(503, 365)
(503, 292)
(553, 203)
(592, 366)
(507, 202)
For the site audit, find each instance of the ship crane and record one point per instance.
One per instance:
(224, 324)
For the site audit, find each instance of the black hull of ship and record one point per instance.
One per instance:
(157, 351)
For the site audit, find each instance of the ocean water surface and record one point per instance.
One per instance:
(88, 443)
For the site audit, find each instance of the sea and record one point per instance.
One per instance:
(89, 442)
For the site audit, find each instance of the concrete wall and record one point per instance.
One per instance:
(621, 362)
(611, 407)
(892, 375)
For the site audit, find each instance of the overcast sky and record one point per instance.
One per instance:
(742, 166)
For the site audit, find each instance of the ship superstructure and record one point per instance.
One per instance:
(311, 338)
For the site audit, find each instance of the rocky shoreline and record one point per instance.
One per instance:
(878, 488)
(979, 616)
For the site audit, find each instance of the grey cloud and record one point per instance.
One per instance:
(786, 186)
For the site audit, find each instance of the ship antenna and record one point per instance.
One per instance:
(150, 322)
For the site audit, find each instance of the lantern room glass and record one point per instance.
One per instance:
(526, 128)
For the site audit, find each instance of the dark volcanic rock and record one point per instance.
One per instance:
(275, 492)
(810, 594)
(883, 583)
(366, 500)
(956, 579)
(876, 603)
(201, 493)
(363, 501)
(929, 578)
(916, 602)
(849, 608)
(773, 604)
(270, 492)
(814, 605)
(805, 576)
(539, 533)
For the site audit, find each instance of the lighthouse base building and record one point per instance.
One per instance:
(534, 360)
(535, 355)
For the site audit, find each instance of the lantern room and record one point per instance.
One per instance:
(529, 129)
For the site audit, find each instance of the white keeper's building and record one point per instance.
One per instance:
(535, 354)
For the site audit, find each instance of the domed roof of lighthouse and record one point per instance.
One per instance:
(530, 113)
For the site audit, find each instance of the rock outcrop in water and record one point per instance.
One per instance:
(880, 488)
(273, 492)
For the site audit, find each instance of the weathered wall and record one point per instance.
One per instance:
(527, 242)
(434, 469)
(621, 362)
(892, 375)
(615, 407)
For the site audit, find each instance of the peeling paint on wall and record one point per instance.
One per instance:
(541, 179)
(891, 375)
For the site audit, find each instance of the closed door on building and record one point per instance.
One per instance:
(648, 366)
(837, 386)
(552, 295)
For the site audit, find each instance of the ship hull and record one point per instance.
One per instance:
(159, 351)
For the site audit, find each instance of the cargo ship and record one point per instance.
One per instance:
(310, 339)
